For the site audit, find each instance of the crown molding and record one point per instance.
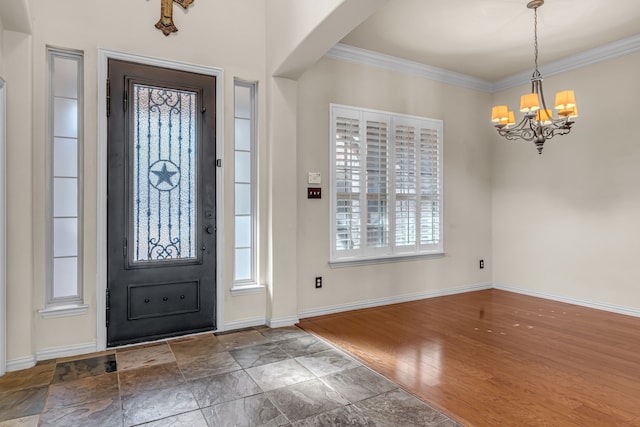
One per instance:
(392, 63)
(589, 57)
(367, 57)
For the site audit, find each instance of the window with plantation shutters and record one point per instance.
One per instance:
(386, 185)
(376, 176)
(347, 183)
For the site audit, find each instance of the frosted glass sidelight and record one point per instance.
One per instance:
(65, 157)
(244, 182)
(242, 264)
(243, 134)
(243, 166)
(65, 237)
(243, 231)
(65, 77)
(243, 199)
(65, 197)
(164, 198)
(65, 117)
(243, 101)
(64, 178)
(65, 277)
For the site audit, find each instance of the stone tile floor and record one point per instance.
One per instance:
(254, 377)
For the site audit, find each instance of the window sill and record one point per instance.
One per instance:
(238, 290)
(352, 262)
(63, 310)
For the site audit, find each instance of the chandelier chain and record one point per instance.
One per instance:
(535, 36)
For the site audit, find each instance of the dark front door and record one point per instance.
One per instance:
(161, 220)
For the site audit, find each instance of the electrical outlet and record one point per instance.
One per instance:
(318, 282)
(481, 263)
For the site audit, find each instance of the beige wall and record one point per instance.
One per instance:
(289, 22)
(18, 61)
(566, 223)
(300, 32)
(467, 184)
(227, 35)
(1, 48)
(537, 221)
(216, 33)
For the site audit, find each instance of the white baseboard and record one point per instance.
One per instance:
(391, 300)
(50, 353)
(244, 323)
(75, 350)
(259, 321)
(67, 351)
(629, 311)
(281, 323)
(21, 363)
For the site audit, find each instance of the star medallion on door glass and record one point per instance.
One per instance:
(162, 177)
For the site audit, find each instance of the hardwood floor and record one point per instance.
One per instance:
(495, 358)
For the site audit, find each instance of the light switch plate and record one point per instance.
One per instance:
(314, 178)
(314, 193)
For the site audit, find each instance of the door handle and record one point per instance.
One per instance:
(209, 229)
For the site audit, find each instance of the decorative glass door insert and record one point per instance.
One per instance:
(164, 174)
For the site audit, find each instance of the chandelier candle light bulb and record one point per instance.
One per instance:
(538, 123)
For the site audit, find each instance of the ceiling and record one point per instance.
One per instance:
(493, 39)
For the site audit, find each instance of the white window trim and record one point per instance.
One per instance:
(3, 229)
(50, 312)
(249, 286)
(363, 256)
(238, 290)
(73, 305)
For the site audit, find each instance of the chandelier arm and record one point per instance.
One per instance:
(557, 127)
(542, 100)
(523, 130)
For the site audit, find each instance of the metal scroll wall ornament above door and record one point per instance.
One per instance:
(165, 24)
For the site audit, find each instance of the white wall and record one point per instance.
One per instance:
(467, 184)
(566, 223)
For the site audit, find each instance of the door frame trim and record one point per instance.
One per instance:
(103, 58)
(3, 228)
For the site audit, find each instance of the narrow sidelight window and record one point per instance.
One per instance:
(65, 178)
(245, 181)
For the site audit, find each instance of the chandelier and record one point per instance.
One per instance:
(538, 123)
